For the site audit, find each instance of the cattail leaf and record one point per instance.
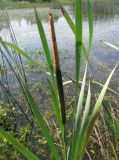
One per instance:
(111, 45)
(22, 149)
(67, 17)
(72, 27)
(78, 37)
(84, 127)
(45, 46)
(98, 104)
(101, 85)
(56, 105)
(80, 101)
(86, 111)
(78, 115)
(90, 21)
(6, 48)
(93, 118)
(20, 51)
(39, 119)
(100, 98)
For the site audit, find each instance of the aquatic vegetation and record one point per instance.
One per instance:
(86, 109)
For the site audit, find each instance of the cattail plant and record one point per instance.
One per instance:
(85, 115)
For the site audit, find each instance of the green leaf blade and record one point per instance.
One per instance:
(78, 37)
(22, 149)
(20, 51)
(98, 104)
(90, 21)
(67, 17)
(77, 123)
(56, 106)
(45, 46)
(39, 119)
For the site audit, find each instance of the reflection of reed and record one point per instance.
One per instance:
(57, 70)
(105, 11)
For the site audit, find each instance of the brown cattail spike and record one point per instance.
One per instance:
(57, 70)
(54, 43)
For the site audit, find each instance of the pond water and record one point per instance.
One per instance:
(106, 28)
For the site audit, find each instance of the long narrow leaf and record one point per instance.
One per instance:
(45, 46)
(72, 27)
(67, 17)
(77, 124)
(80, 101)
(6, 48)
(28, 154)
(100, 99)
(77, 30)
(84, 127)
(39, 119)
(111, 45)
(90, 21)
(98, 104)
(86, 111)
(20, 51)
(56, 106)
(78, 37)
(94, 116)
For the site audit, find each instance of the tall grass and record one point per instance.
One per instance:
(85, 114)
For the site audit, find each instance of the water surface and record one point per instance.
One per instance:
(106, 28)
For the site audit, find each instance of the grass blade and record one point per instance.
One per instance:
(5, 47)
(86, 111)
(67, 17)
(90, 21)
(100, 99)
(111, 45)
(28, 154)
(94, 116)
(97, 106)
(77, 124)
(72, 27)
(39, 119)
(80, 101)
(56, 105)
(78, 37)
(45, 46)
(20, 51)
(84, 127)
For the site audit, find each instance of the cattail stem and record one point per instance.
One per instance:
(57, 70)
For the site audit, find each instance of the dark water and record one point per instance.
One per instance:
(106, 28)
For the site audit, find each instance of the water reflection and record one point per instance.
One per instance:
(105, 12)
(101, 11)
(106, 28)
